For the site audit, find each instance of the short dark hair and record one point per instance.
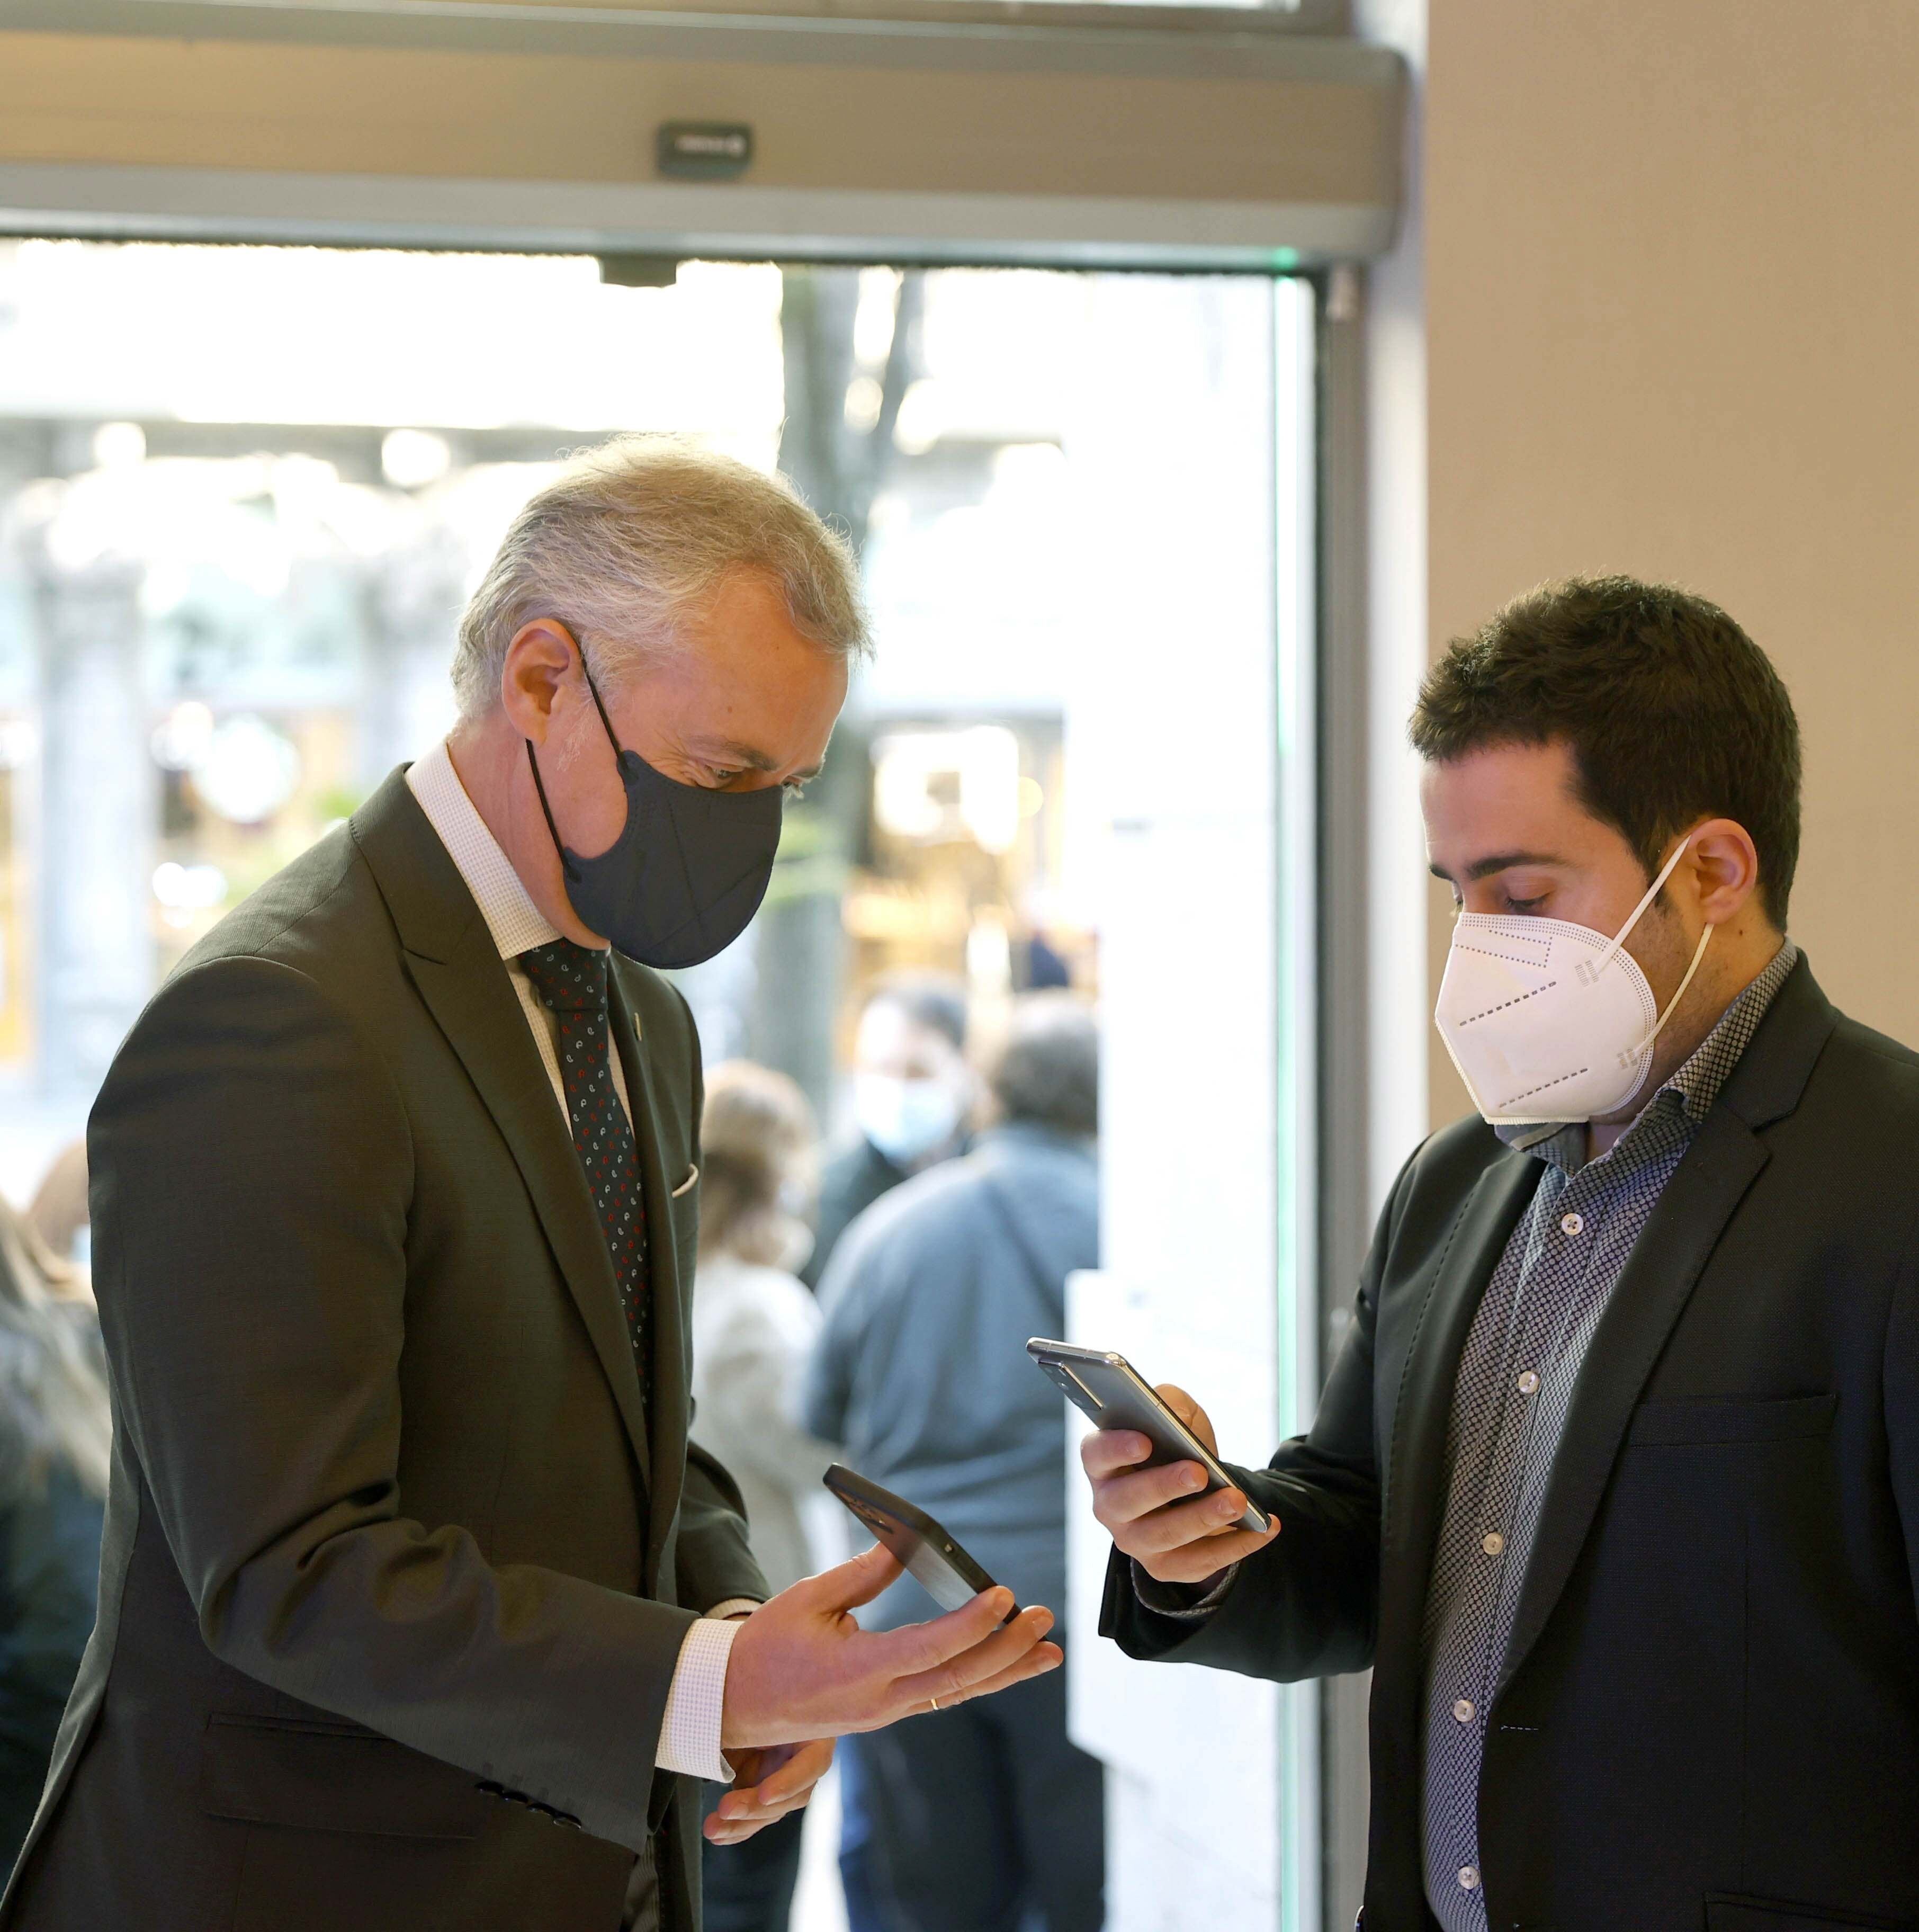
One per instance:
(1047, 1071)
(934, 1001)
(1672, 714)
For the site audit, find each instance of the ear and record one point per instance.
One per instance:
(538, 663)
(1723, 865)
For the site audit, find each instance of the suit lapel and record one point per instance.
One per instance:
(449, 955)
(665, 1404)
(1651, 1293)
(1667, 1260)
(1415, 1470)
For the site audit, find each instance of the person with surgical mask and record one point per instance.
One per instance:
(1614, 1482)
(912, 1096)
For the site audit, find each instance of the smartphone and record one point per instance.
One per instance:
(1115, 1395)
(932, 1558)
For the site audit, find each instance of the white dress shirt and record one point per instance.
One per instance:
(689, 1736)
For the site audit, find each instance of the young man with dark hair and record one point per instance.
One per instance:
(1616, 1483)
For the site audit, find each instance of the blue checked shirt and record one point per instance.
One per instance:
(1509, 1404)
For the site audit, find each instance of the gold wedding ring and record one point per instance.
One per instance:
(934, 1701)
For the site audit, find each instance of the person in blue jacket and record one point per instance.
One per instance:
(987, 1819)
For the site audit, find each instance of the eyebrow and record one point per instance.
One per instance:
(757, 760)
(1499, 861)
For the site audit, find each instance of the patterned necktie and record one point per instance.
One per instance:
(572, 981)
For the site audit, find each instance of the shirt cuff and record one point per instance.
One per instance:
(690, 1733)
(733, 1607)
(1179, 1600)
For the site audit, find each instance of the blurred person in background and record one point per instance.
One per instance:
(986, 1819)
(58, 1214)
(754, 1323)
(55, 1440)
(913, 1093)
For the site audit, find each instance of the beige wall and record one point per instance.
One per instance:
(1673, 299)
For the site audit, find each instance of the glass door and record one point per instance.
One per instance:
(244, 491)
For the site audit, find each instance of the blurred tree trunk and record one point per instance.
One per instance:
(837, 445)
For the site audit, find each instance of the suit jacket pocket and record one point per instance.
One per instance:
(1726, 1913)
(1780, 1419)
(320, 1777)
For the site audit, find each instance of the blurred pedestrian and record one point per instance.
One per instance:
(55, 1439)
(58, 1213)
(913, 1093)
(754, 1324)
(985, 1819)
(913, 1097)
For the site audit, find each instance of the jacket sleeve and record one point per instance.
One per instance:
(252, 1169)
(1307, 1604)
(713, 1562)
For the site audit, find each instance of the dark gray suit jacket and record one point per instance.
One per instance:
(1709, 1713)
(398, 1555)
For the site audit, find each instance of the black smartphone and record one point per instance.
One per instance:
(1108, 1388)
(932, 1558)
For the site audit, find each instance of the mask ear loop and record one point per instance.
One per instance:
(566, 864)
(1652, 893)
(1698, 953)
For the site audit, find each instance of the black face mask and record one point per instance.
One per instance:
(688, 870)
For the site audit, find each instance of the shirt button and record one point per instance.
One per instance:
(1492, 1542)
(1469, 1877)
(1572, 1224)
(1464, 1711)
(1528, 1383)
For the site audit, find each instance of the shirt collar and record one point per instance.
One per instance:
(513, 920)
(1695, 1085)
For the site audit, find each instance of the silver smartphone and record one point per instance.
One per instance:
(1109, 1389)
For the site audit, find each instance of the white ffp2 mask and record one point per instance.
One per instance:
(1550, 1022)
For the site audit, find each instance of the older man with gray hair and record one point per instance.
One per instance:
(418, 1609)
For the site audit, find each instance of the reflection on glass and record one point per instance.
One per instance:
(245, 491)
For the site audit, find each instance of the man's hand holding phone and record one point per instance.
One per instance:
(1160, 1516)
(801, 1667)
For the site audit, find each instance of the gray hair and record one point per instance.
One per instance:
(1048, 1070)
(634, 538)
